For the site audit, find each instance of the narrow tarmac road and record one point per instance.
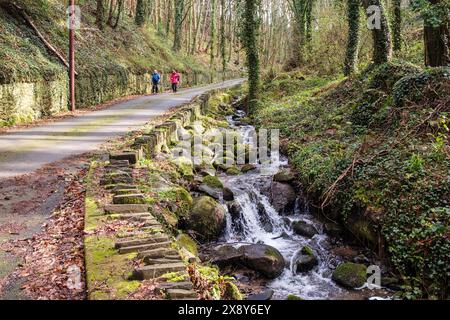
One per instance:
(26, 150)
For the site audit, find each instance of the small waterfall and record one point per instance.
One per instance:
(251, 218)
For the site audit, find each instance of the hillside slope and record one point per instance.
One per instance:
(111, 63)
(373, 153)
(24, 57)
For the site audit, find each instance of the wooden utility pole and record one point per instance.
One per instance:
(72, 54)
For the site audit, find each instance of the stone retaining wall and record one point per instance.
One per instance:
(22, 103)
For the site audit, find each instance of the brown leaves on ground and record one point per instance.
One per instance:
(148, 290)
(53, 267)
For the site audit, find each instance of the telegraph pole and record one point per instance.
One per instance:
(72, 54)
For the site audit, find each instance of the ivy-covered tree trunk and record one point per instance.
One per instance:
(436, 34)
(381, 35)
(222, 36)
(120, 4)
(177, 33)
(250, 43)
(308, 21)
(298, 8)
(213, 32)
(397, 25)
(100, 14)
(353, 19)
(141, 15)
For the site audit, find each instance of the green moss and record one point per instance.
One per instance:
(185, 167)
(185, 241)
(176, 276)
(105, 267)
(232, 292)
(213, 182)
(293, 297)
(307, 250)
(180, 197)
(350, 274)
(233, 171)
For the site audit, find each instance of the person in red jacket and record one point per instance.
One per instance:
(175, 78)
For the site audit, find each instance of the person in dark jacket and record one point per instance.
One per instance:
(156, 79)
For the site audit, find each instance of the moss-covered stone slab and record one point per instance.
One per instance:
(126, 208)
(156, 271)
(119, 163)
(143, 241)
(129, 199)
(185, 285)
(176, 294)
(157, 253)
(144, 247)
(132, 157)
(116, 178)
(150, 262)
(122, 192)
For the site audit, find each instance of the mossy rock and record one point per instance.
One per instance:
(224, 163)
(350, 275)
(185, 241)
(213, 182)
(248, 167)
(233, 171)
(185, 167)
(283, 176)
(293, 297)
(232, 292)
(207, 218)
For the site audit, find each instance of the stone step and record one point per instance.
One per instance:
(118, 169)
(119, 177)
(157, 253)
(136, 242)
(115, 187)
(137, 198)
(175, 294)
(122, 192)
(186, 285)
(124, 163)
(145, 247)
(157, 270)
(131, 235)
(132, 157)
(153, 224)
(126, 208)
(149, 262)
(138, 217)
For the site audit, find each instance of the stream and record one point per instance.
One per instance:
(259, 222)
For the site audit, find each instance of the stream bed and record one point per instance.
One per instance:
(260, 223)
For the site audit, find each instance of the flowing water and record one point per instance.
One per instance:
(259, 222)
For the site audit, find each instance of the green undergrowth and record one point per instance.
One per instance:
(111, 51)
(373, 150)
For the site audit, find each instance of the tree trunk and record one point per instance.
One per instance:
(213, 32)
(353, 19)
(120, 4)
(141, 15)
(436, 40)
(222, 36)
(397, 25)
(382, 49)
(100, 14)
(250, 29)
